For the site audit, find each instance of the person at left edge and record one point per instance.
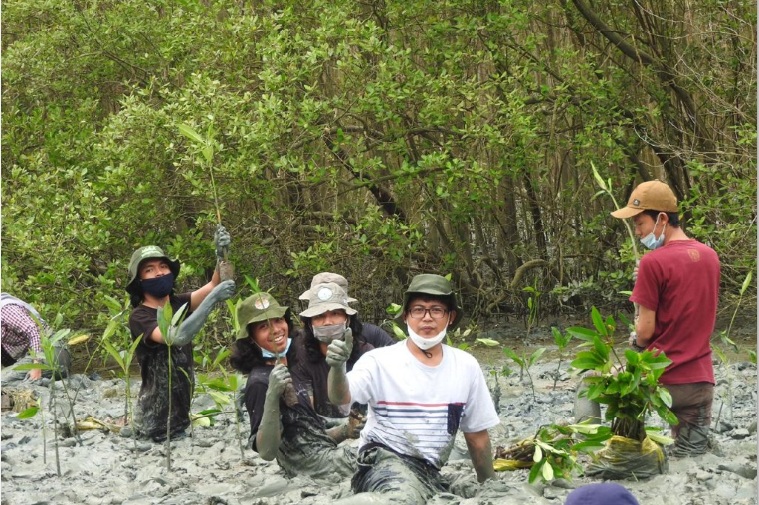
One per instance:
(152, 277)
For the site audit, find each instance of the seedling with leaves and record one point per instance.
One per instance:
(553, 451)
(50, 345)
(525, 361)
(167, 322)
(630, 389)
(562, 341)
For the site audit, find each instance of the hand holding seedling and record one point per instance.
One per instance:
(339, 351)
(222, 240)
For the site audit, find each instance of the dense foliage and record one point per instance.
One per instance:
(378, 139)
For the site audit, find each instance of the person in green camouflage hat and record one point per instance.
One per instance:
(152, 277)
(283, 424)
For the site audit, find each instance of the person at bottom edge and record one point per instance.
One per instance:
(283, 425)
(601, 493)
(420, 392)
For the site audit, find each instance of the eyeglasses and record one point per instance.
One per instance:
(435, 312)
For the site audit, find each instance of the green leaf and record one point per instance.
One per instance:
(30, 412)
(746, 282)
(547, 471)
(191, 134)
(488, 342)
(537, 454)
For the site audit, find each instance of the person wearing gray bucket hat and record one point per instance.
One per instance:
(151, 280)
(328, 317)
(283, 425)
(400, 458)
(373, 334)
(676, 289)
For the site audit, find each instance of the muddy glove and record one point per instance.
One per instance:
(633, 341)
(222, 240)
(339, 351)
(184, 333)
(279, 378)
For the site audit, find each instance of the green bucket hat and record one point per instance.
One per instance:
(141, 254)
(324, 297)
(255, 308)
(434, 285)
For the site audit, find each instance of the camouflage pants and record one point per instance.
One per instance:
(400, 479)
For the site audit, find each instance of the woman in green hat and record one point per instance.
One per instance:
(283, 425)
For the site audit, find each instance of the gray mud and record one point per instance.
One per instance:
(208, 467)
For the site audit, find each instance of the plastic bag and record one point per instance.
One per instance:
(627, 458)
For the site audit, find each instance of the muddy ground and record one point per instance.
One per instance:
(101, 467)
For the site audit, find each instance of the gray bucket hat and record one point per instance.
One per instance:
(255, 308)
(434, 285)
(323, 278)
(144, 253)
(324, 297)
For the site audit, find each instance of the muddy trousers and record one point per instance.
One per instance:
(692, 404)
(400, 479)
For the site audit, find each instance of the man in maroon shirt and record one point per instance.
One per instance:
(676, 289)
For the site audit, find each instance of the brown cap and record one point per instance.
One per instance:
(651, 195)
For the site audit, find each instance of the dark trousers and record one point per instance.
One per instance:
(7, 359)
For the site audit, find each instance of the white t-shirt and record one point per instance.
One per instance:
(416, 409)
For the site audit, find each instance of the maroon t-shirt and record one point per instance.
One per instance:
(680, 282)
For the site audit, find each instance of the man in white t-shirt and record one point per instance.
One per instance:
(420, 393)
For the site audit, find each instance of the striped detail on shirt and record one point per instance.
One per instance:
(422, 430)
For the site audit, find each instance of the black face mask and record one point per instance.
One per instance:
(158, 286)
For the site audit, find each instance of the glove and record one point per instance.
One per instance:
(279, 378)
(338, 351)
(633, 341)
(222, 291)
(635, 271)
(222, 240)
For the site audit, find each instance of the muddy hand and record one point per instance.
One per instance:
(354, 425)
(338, 351)
(223, 291)
(222, 240)
(279, 378)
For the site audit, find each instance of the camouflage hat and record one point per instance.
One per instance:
(255, 308)
(323, 278)
(144, 253)
(434, 285)
(324, 297)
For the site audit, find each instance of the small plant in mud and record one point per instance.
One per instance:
(630, 389)
(50, 352)
(525, 362)
(167, 320)
(562, 341)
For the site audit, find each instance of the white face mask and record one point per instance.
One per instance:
(426, 343)
(270, 355)
(650, 240)
(330, 332)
